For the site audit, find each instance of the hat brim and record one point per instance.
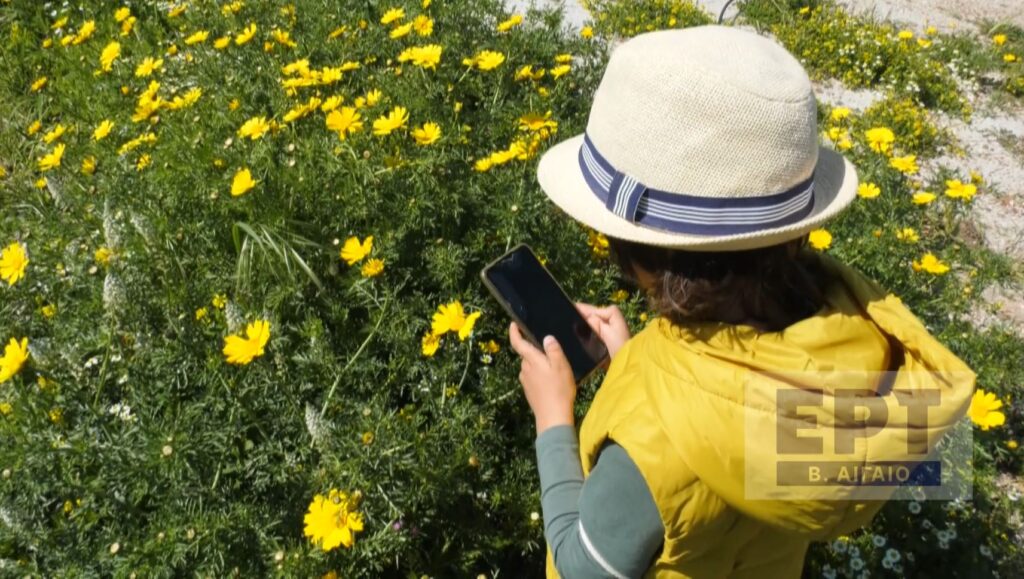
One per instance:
(560, 176)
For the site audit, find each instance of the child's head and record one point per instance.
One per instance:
(701, 161)
(773, 286)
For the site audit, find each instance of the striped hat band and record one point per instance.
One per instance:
(633, 201)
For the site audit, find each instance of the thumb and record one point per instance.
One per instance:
(553, 349)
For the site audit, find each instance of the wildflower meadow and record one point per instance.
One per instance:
(242, 326)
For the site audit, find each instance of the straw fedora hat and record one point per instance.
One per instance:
(702, 138)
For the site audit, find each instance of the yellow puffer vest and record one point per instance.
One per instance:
(674, 398)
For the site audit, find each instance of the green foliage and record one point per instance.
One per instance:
(614, 19)
(832, 43)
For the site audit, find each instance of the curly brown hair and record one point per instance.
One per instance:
(769, 287)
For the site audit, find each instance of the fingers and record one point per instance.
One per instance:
(555, 355)
(521, 345)
(606, 313)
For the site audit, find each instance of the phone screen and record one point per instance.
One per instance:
(539, 305)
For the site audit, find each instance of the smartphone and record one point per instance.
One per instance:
(539, 306)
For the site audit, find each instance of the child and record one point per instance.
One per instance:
(701, 164)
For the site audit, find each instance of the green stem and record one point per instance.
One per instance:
(362, 346)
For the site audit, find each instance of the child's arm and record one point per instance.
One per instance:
(607, 526)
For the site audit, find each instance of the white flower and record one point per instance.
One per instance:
(122, 411)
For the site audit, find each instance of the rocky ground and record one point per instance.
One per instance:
(992, 143)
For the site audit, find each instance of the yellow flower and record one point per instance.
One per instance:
(89, 165)
(254, 128)
(331, 103)
(839, 113)
(908, 234)
(984, 410)
(958, 190)
(485, 60)
(222, 42)
(242, 183)
(85, 32)
(102, 130)
(15, 354)
(527, 73)
(344, 122)
(400, 31)
(197, 37)
(239, 350)
(48, 311)
(201, 313)
(394, 120)
(1011, 444)
(820, 239)
(924, 42)
(148, 66)
(246, 35)
(931, 31)
(373, 97)
(372, 268)
(1009, 57)
(906, 164)
(39, 84)
(127, 25)
(41, 183)
(367, 438)
(34, 128)
(110, 53)
(868, 190)
(507, 25)
(122, 13)
(423, 25)
(427, 134)
(56, 415)
(880, 139)
(425, 56)
(143, 162)
(587, 32)
(283, 37)
(175, 11)
(999, 39)
(219, 301)
(905, 35)
(354, 251)
(52, 159)
(430, 343)
(332, 521)
(559, 70)
(54, 134)
(619, 296)
(426, 4)
(6, 409)
(13, 261)
(923, 198)
(102, 256)
(930, 264)
(451, 318)
(392, 15)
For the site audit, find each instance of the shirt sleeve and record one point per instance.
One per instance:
(605, 526)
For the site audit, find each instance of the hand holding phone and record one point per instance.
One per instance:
(609, 324)
(539, 306)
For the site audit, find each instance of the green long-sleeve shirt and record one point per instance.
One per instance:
(605, 526)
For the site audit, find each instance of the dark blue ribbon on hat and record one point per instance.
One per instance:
(633, 201)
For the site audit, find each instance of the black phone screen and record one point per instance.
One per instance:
(538, 303)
